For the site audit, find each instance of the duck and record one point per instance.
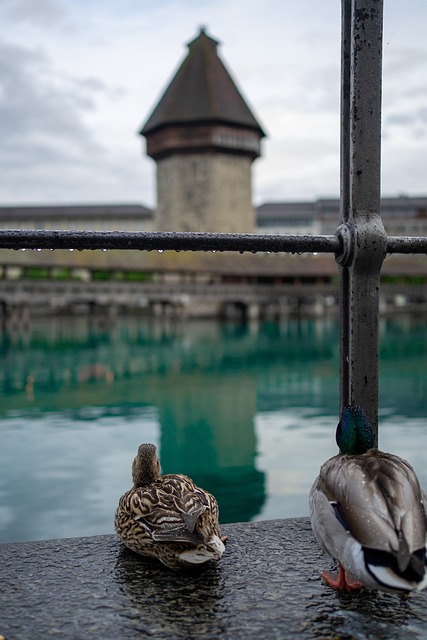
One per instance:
(368, 512)
(167, 516)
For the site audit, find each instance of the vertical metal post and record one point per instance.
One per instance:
(362, 234)
(345, 197)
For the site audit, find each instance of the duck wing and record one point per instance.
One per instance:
(170, 509)
(378, 498)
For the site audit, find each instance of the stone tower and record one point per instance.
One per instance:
(204, 139)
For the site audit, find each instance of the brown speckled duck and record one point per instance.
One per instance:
(168, 517)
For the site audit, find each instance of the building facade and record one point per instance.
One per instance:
(401, 215)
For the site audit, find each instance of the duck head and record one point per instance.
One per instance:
(354, 434)
(146, 465)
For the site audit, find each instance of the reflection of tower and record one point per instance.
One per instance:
(204, 139)
(208, 433)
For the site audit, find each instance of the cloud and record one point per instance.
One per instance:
(78, 78)
(34, 104)
(48, 149)
(42, 12)
(404, 100)
(40, 121)
(413, 118)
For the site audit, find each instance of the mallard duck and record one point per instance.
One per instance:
(369, 513)
(168, 517)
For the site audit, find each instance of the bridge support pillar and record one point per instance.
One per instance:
(253, 311)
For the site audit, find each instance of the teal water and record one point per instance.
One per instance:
(248, 410)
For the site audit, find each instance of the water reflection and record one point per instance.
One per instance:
(143, 579)
(208, 430)
(248, 410)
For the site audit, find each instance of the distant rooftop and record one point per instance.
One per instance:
(390, 206)
(67, 211)
(283, 210)
(201, 91)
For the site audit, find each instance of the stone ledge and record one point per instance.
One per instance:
(267, 586)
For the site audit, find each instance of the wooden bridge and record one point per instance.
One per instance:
(19, 299)
(159, 298)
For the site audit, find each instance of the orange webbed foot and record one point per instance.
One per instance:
(342, 581)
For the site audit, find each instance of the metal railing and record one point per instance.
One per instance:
(360, 243)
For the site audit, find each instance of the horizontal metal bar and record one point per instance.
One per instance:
(162, 241)
(406, 244)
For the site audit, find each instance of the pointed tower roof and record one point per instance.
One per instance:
(202, 91)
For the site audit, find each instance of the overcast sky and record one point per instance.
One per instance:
(78, 78)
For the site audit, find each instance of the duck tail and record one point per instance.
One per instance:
(400, 571)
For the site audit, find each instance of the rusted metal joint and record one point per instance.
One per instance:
(365, 242)
(370, 243)
(347, 239)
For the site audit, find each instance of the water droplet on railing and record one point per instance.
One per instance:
(71, 249)
(315, 253)
(23, 249)
(104, 250)
(38, 249)
(160, 250)
(213, 250)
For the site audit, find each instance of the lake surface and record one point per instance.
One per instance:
(248, 410)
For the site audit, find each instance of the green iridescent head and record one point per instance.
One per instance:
(354, 434)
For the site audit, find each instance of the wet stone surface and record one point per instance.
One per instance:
(267, 585)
